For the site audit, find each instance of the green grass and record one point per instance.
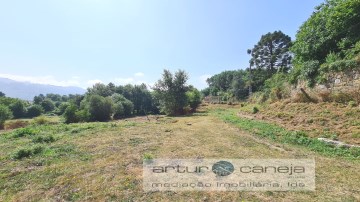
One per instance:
(280, 134)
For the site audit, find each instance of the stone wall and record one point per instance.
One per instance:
(341, 81)
(346, 83)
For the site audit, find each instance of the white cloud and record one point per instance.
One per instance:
(50, 80)
(139, 74)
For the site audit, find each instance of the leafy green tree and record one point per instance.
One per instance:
(38, 99)
(99, 108)
(18, 109)
(34, 111)
(70, 115)
(193, 97)
(47, 105)
(5, 114)
(333, 27)
(2, 94)
(101, 89)
(272, 53)
(122, 106)
(171, 92)
(54, 97)
(62, 107)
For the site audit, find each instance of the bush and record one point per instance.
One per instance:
(118, 110)
(352, 104)
(70, 114)
(48, 105)
(22, 132)
(83, 115)
(309, 71)
(44, 139)
(62, 107)
(41, 120)
(34, 111)
(18, 109)
(255, 110)
(122, 106)
(5, 114)
(194, 98)
(27, 152)
(128, 107)
(99, 108)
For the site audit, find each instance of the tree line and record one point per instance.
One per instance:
(170, 95)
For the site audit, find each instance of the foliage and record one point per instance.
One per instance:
(70, 114)
(101, 89)
(47, 105)
(41, 120)
(235, 83)
(2, 94)
(171, 92)
(272, 53)
(99, 108)
(193, 97)
(277, 87)
(18, 109)
(34, 111)
(62, 107)
(5, 114)
(122, 106)
(331, 33)
(27, 152)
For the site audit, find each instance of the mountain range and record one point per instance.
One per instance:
(27, 90)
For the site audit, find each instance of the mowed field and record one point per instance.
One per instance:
(103, 161)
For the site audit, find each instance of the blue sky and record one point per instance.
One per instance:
(80, 42)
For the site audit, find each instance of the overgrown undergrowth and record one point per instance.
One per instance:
(282, 135)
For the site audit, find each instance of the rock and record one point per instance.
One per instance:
(337, 143)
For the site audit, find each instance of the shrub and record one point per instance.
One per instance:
(128, 107)
(309, 71)
(255, 110)
(25, 132)
(83, 115)
(34, 111)
(18, 109)
(27, 152)
(62, 107)
(44, 139)
(5, 114)
(99, 108)
(194, 98)
(352, 104)
(48, 105)
(118, 110)
(41, 120)
(70, 114)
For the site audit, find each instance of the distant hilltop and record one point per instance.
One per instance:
(27, 90)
